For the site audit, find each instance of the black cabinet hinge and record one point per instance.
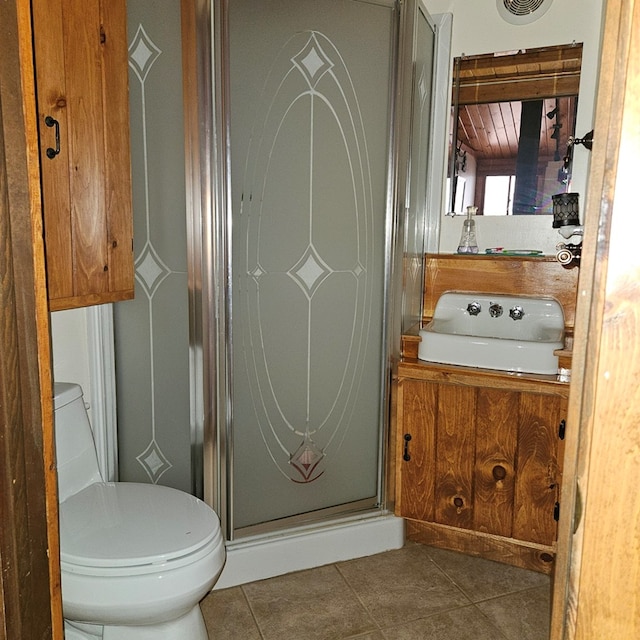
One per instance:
(556, 511)
(562, 429)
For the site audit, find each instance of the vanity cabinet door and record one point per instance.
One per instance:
(80, 52)
(436, 429)
(417, 406)
(538, 465)
(497, 420)
(479, 459)
(455, 454)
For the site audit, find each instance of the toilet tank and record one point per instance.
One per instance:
(76, 458)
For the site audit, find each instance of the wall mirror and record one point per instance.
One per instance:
(513, 115)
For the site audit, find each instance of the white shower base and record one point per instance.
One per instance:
(264, 557)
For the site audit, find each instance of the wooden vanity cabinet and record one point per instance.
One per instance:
(479, 462)
(81, 62)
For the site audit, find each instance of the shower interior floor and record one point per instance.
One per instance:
(416, 592)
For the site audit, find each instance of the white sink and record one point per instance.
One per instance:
(492, 338)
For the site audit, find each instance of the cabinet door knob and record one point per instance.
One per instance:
(406, 456)
(52, 122)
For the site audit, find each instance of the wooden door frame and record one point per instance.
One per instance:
(598, 562)
(29, 550)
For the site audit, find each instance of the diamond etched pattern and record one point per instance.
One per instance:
(142, 53)
(150, 269)
(154, 461)
(310, 271)
(312, 61)
(306, 460)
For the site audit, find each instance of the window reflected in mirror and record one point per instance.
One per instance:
(514, 116)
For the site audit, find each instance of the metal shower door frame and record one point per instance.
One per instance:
(211, 312)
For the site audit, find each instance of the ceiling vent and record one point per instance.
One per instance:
(522, 11)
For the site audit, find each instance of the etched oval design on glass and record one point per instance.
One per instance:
(304, 281)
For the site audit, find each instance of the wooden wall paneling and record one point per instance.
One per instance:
(597, 592)
(32, 606)
(507, 275)
(537, 469)
(615, 52)
(455, 453)
(14, 551)
(417, 486)
(496, 444)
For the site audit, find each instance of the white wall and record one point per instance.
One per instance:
(478, 29)
(69, 334)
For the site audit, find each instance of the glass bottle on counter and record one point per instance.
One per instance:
(468, 242)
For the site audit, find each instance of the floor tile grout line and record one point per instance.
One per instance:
(357, 595)
(383, 628)
(471, 605)
(433, 614)
(491, 622)
(253, 615)
(376, 628)
(453, 581)
(449, 578)
(510, 593)
(467, 604)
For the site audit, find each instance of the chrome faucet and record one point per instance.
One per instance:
(517, 312)
(495, 310)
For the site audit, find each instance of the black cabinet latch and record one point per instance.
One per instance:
(407, 438)
(562, 428)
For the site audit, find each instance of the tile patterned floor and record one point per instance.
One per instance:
(414, 593)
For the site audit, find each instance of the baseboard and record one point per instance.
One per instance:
(266, 557)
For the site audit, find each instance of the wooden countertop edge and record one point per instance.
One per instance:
(420, 370)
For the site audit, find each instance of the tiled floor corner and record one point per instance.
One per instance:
(414, 593)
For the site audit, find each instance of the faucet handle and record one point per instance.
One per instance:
(474, 308)
(495, 310)
(516, 313)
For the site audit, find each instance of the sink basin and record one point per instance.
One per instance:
(508, 333)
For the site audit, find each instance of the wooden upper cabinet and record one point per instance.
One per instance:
(80, 49)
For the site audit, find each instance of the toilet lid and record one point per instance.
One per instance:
(126, 524)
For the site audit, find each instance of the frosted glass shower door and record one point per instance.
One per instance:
(310, 94)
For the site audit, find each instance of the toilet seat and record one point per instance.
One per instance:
(127, 528)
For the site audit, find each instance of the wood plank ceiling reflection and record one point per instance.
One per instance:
(491, 88)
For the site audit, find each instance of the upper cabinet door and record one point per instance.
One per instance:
(80, 51)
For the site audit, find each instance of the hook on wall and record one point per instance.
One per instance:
(587, 140)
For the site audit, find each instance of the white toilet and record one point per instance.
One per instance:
(136, 558)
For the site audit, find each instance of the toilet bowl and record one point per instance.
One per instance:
(136, 559)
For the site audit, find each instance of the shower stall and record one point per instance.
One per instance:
(276, 273)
